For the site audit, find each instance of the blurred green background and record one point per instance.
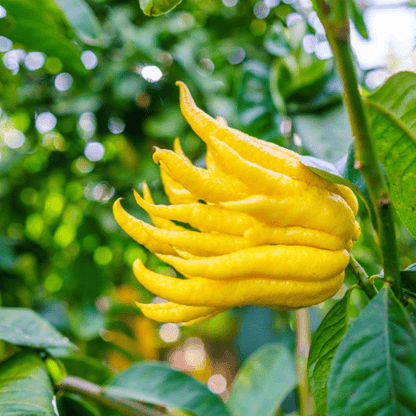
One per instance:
(84, 98)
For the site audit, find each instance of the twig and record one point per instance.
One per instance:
(365, 284)
(96, 394)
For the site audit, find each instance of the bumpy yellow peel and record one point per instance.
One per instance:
(267, 231)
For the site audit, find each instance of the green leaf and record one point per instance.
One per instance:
(87, 368)
(374, 368)
(263, 382)
(391, 114)
(158, 7)
(71, 404)
(324, 344)
(47, 28)
(22, 326)
(356, 15)
(25, 387)
(155, 382)
(82, 19)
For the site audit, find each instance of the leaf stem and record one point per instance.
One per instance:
(365, 284)
(96, 394)
(335, 21)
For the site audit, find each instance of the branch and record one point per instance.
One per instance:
(337, 27)
(96, 394)
(365, 284)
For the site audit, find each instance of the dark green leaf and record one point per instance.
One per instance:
(391, 113)
(356, 15)
(87, 368)
(82, 19)
(325, 342)
(374, 368)
(157, 383)
(47, 27)
(157, 7)
(25, 387)
(22, 326)
(263, 382)
(71, 404)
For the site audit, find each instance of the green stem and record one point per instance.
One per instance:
(335, 21)
(362, 277)
(303, 344)
(96, 394)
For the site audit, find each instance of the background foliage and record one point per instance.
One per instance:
(80, 114)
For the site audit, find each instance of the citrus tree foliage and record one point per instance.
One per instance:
(87, 89)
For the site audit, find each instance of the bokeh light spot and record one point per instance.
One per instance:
(151, 73)
(34, 60)
(89, 59)
(103, 255)
(217, 383)
(169, 332)
(230, 3)
(53, 282)
(236, 55)
(34, 226)
(3, 12)
(45, 122)
(134, 252)
(13, 138)
(94, 151)
(5, 43)
(116, 125)
(261, 10)
(63, 81)
(64, 235)
(83, 165)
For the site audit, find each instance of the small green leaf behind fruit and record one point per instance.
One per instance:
(263, 382)
(157, 383)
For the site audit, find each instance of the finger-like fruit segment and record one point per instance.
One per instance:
(201, 216)
(239, 291)
(198, 243)
(133, 227)
(277, 262)
(157, 221)
(176, 193)
(264, 234)
(174, 312)
(202, 183)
